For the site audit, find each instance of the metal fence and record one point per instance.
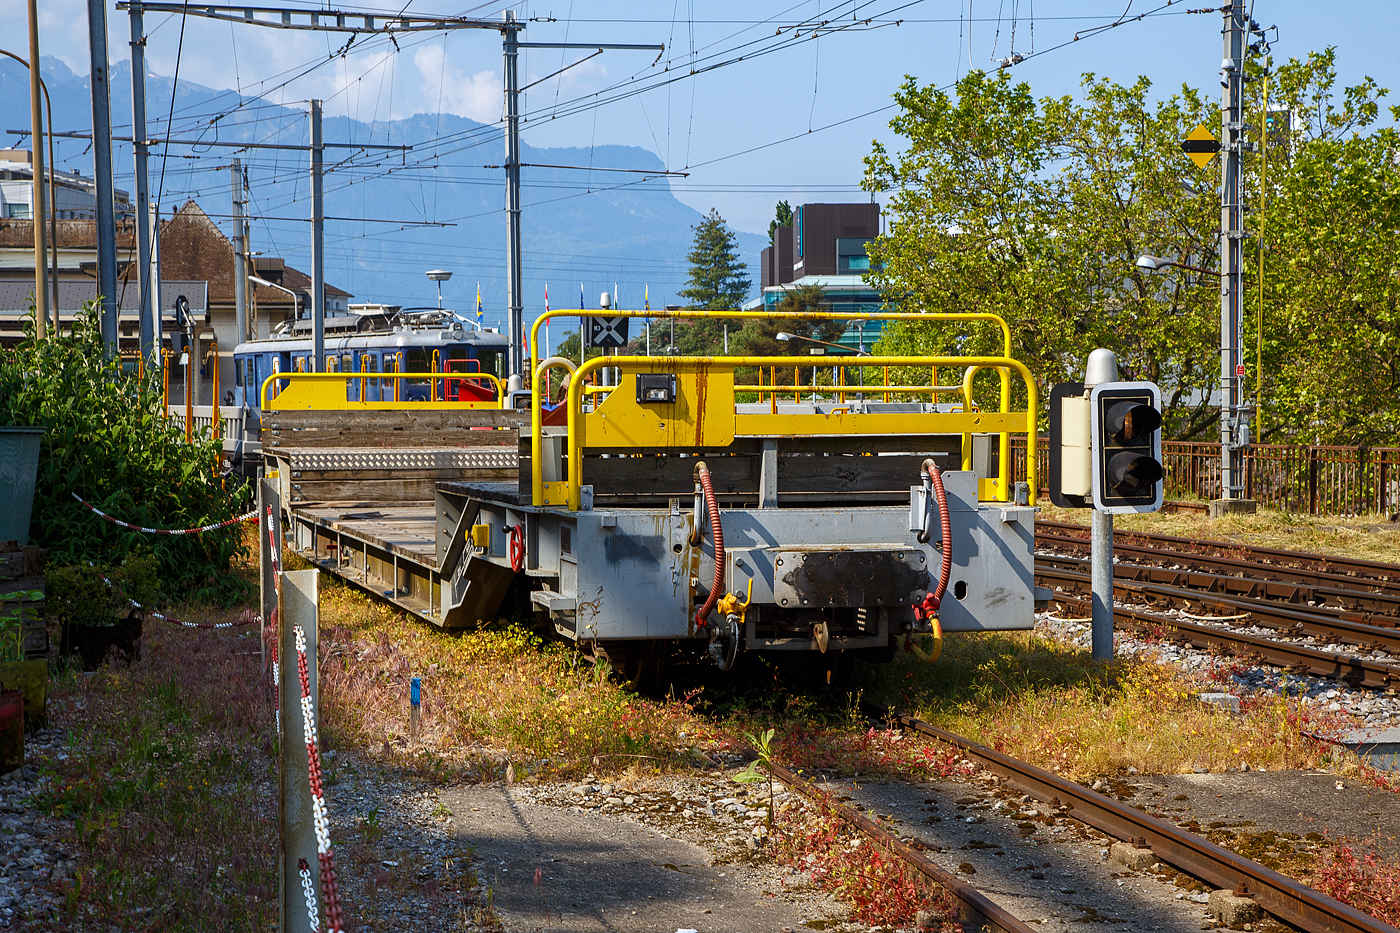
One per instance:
(1286, 477)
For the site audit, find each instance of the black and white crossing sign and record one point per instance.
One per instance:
(607, 333)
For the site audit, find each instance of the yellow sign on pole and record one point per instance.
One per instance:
(1200, 146)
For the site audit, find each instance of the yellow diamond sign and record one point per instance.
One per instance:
(1200, 146)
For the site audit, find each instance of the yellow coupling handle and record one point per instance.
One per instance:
(729, 603)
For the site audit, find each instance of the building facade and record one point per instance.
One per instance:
(825, 247)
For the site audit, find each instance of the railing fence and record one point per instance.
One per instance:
(1322, 480)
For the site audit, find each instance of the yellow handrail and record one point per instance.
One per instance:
(729, 363)
(346, 402)
(536, 444)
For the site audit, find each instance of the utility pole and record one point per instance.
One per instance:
(318, 245)
(36, 163)
(102, 174)
(515, 302)
(1234, 417)
(240, 251)
(149, 323)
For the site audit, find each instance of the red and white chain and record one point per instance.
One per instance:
(247, 516)
(324, 853)
(309, 891)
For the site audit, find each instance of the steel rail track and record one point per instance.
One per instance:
(977, 911)
(1253, 569)
(1281, 617)
(1347, 567)
(1350, 604)
(1364, 672)
(1289, 900)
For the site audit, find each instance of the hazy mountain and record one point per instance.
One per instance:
(630, 229)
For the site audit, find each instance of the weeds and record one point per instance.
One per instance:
(168, 785)
(881, 888)
(1356, 873)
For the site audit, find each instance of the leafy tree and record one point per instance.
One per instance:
(718, 282)
(108, 440)
(1037, 211)
(1331, 296)
(782, 217)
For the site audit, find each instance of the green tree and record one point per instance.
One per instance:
(1037, 210)
(760, 337)
(782, 217)
(718, 282)
(1331, 282)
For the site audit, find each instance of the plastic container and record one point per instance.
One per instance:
(19, 465)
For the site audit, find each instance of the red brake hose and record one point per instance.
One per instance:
(702, 472)
(947, 570)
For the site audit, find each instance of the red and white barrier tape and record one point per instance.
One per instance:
(181, 622)
(324, 854)
(247, 516)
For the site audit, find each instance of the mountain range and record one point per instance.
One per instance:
(581, 230)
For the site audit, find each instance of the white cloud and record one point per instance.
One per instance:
(478, 96)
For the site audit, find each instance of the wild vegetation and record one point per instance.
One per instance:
(1038, 209)
(108, 440)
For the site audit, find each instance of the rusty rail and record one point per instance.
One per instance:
(1310, 620)
(1364, 672)
(1261, 561)
(1283, 897)
(978, 912)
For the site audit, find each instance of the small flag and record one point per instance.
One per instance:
(646, 297)
(478, 305)
(580, 296)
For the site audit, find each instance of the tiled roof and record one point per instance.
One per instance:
(192, 248)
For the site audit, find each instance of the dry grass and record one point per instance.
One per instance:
(169, 786)
(1364, 537)
(493, 700)
(1055, 707)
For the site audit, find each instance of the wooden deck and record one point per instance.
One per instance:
(407, 530)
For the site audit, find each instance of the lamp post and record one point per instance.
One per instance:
(439, 276)
(296, 302)
(785, 336)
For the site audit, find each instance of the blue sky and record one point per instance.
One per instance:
(789, 82)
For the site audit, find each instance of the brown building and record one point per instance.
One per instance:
(194, 260)
(824, 239)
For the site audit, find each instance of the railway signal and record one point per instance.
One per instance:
(1126, 436)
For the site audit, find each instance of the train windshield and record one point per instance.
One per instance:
(493, 361)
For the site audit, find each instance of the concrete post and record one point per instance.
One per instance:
(297, 600)
(1102, 367)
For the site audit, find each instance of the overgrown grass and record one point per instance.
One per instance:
(881, 888)
(492, 699)
(170, 783)
(1056, 707)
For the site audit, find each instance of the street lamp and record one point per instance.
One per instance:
(439, 276)
(784, 336)
(1157, 263)
(296, 301)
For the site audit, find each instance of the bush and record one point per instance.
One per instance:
(109, 441)
(91, 594)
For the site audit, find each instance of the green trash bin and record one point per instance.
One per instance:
(19, 465)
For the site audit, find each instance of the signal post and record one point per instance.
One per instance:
(1105, 454)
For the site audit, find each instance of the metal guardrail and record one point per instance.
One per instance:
(1317, 480)
(202, 420)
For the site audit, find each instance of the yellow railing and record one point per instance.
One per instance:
(836, 421)
(329, 391)
(709, 416)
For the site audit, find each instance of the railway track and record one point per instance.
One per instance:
(1318, 570)
(1358, 629)
(1283, 897)
(976, 910)
(1351, 668)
